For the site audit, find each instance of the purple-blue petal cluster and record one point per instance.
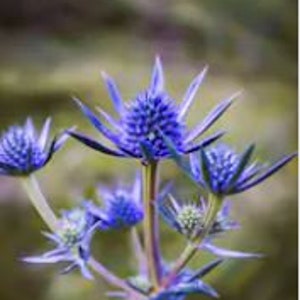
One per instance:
(23, 150)
(142, 125)
(222, 171)
(121, 208)
(145, 117)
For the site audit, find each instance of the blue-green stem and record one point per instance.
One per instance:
(138, 251)
(39, 201)
(114, 280)
(151, 242)
(214, 205)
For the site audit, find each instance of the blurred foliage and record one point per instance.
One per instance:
(51, 50)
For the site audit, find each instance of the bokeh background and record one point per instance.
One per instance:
(51, 50)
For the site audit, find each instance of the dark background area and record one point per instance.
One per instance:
(51, 50)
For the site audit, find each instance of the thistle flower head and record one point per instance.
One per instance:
(185, 217)
(23, 151)
(122, 207)
(72, 226)
(72, 241)
(222, 171)
(149, 119)
(188, 218)
(147, 115)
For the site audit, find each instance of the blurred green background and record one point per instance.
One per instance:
(51, 50)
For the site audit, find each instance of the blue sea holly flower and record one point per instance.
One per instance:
(23, 150)
(143, 123)
(72, 241)
(122, 207)
(188, 218)
(222, 171)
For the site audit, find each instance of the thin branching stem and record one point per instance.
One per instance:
(113, 279)
(138, 251)
(39, 201)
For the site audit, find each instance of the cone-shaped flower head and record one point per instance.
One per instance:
(188, 218)
(23, 150)
(145, 122)
(122, 207)
(72, 241)
(222, 171)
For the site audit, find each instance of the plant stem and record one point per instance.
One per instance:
(138, 251)
(113, 279)
(39, 201)
(151, 239)
(214, 204)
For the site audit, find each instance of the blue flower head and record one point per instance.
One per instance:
(222, 171)
(23, 150)
(188, 218)
(72, 241)
(122, 207)
(152, 116)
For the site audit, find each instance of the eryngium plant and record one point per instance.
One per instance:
(150, 128)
